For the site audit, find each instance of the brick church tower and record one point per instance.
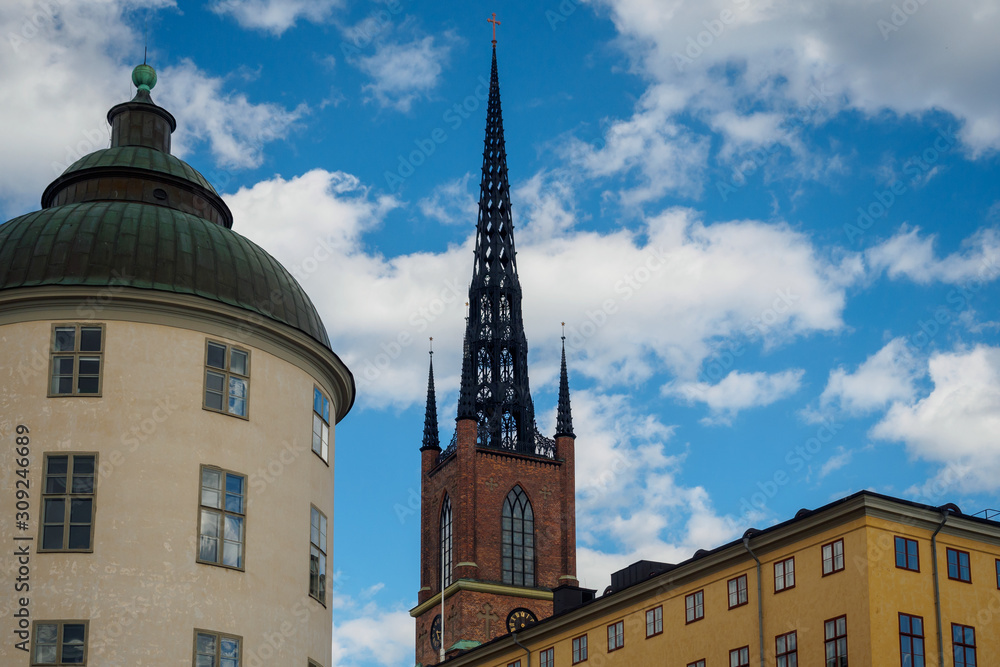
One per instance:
(498, 511)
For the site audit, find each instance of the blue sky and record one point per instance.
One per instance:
(770, 227)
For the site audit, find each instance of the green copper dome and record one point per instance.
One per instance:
(151, 247)
(133, 215)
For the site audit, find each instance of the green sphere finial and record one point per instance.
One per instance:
(144, 77)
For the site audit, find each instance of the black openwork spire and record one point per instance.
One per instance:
(496, 354)
(564, 418)
(431, 440)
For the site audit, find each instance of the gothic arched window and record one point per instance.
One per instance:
(446, 540)
(518, 539)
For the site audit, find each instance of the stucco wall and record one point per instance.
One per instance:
(141, 588)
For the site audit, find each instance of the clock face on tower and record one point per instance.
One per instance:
(519, 619)
(436, 633)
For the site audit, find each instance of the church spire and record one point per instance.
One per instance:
(431, 440)
(564, 418)
(495, 363)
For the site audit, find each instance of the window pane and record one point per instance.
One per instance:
(83, 484)
(46, 633)
(213, 401)
(234, 503)
(63, 366)
(45, 655)
(214, 382)
(238, 406)
(90, 339)
(234, 484)
(238, 362)
(55, 484)
(211, 498)
(231, 554)
(56, 465)
(52, 537)
(90, 365)
(65, 339)
(234, 528)
(211, 478)
(55, 510)
(79, 537)
(80, 510)
(83, 465)
(88, 385)
(206, 643)
(73, 634)
(209, 549)
(216, 356)
(206, 660)
(209, 523)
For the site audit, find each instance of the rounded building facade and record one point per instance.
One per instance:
(169, 404)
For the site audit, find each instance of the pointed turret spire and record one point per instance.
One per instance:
(495, 364)
(431, 440)
(564, 417)
(467, 391)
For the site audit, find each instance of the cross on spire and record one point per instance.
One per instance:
(495, 24)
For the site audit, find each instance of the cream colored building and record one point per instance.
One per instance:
(168, 397)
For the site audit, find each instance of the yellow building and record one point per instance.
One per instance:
(169, 397)
(869, 579)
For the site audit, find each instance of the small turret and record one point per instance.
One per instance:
(431, 439)
(564, 417)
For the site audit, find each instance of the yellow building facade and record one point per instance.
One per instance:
(854, 582)
(169, 400)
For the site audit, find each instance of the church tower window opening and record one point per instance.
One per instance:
(446, 541)
(518, 539)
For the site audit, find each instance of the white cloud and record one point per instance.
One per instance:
(887, 376)
(77, 54)
(956, 425)
(452, 203)
(666, 157)
(54, 52)
(635, 303)
(737, 391)
(836, 462)
(630, 500)
(275, 16)
(403, 72)
(908, 255)
(369, 634)
(235, 128)
(781, 56)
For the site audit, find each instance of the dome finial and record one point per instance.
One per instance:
(144, 77)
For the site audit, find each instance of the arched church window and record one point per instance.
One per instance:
(446, 540)
(518, 523)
